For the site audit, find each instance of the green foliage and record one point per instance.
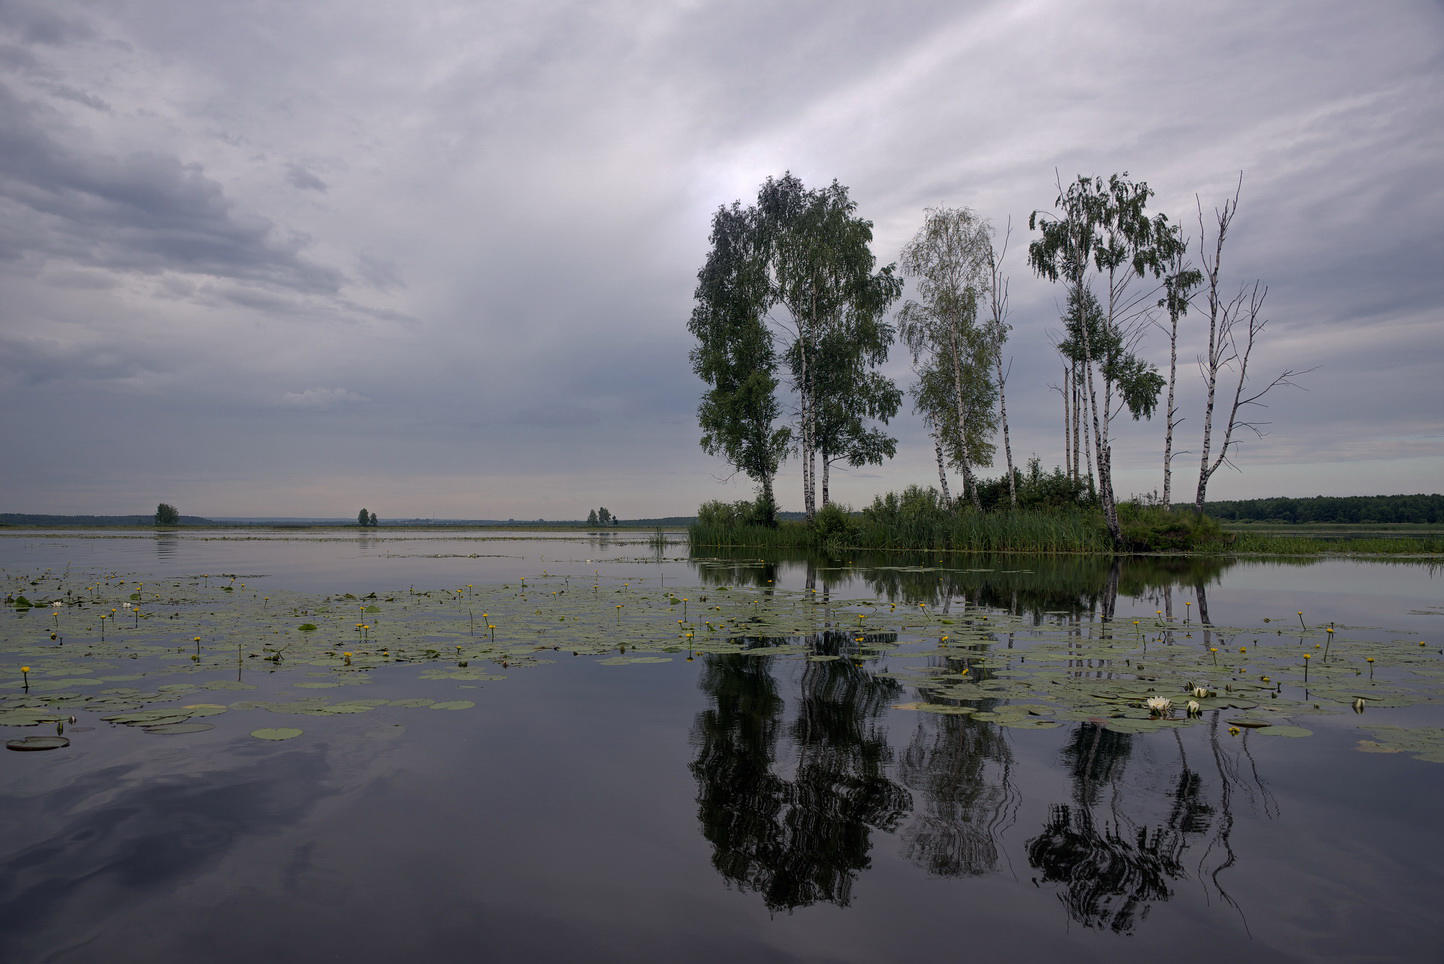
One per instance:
(913, 519)
(363, 518)
(166, 514)
(735, 514)
(835, 526)
(735, 354)
(592, 517)
(1151, 528)
(1037, 491)
(804, 255)
(950, 260)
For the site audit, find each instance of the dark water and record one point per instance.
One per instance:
(760, 808)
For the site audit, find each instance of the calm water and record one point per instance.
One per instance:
(728, 807)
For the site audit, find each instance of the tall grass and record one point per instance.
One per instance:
(917, 519)
(1282, 545)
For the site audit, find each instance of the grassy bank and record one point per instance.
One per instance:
(917, 520)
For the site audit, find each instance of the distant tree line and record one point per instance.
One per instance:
(1354, 509)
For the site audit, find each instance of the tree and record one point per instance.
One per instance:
(951, 261)
(374, 521)
(604, 517)
(1225, 315)
(592, 517)
(935, 398)
(167, 515)
(795, 266)
(363, 518)
(735, 355)
(997, 334)
(1104, 229)
(820, 270)
(853, 394)
(1178, 285)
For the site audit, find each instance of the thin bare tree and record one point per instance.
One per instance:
(1234, 327)
(1178, 285)
(998, 328)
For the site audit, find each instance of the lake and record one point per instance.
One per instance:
(554, 747)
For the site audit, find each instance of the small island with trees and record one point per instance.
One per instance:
(791, 311)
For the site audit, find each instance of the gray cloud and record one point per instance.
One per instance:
(39, 23)
(485, 222)
(141, 211)
(301, 177)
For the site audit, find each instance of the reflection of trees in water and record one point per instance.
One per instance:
(1112, 868)
(802, 840)
(1111, 862)
(960, 768)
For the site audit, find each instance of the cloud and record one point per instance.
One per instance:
(304, 179)
(142, 211)
(320, 399)
(39, 23)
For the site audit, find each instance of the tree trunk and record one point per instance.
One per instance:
(1170, 410)
(942, 473)
(1067, 414)
(809, 468)
(970, 489)
(1003, 419)
(826, 472)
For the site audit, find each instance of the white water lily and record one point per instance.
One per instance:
(1193, 708)
(1158, 704)
(1200, 691)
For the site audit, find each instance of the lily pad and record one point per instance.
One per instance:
(276, 733)
(175, 729)
(38, 743)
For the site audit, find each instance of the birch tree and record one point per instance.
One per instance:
(1178, 285)
(950, 260)
(1234, 326)
(735, 354)
(1102, 231)
(997, 333)
(820, 275)
(791, 280)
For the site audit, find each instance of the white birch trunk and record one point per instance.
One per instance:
(942, 471)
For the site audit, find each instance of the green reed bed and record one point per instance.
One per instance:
(1309, 545)
(973, 532)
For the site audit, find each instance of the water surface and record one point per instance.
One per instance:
(774, 798)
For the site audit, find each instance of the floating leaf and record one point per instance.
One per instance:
(175, 729)
(38, 743)
(276, 733)
(453, 705)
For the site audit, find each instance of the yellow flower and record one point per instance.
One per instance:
(25, 669)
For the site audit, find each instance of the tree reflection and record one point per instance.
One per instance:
(802, 840)
(960, 767)
(1113, 868)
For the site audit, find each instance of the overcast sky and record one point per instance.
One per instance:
(437, 258)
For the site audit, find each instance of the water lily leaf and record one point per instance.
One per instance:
(175, 729)
(148, 717)
(38, 743)
(453, 705)
(1286, 731)
(276, 733)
